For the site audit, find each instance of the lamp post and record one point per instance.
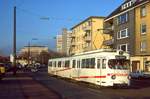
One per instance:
(14, 44)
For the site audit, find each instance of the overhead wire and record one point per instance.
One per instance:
(47, 17)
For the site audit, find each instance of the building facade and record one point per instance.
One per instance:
(34, 50)
(32, 54)
(59, 43)
(122, 31)
(129, 27)
(64, 41)
(141, 58)
(88, 35)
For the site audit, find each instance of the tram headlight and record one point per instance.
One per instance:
(113, 77)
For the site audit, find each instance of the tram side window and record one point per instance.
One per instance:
(67, 63)
(83, 63)
(74, 64)
(98, 63)
(54, 64)
(59, 63)
(92, 64)
(103, 63)
(50, 64)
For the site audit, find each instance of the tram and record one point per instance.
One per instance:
(103, 67)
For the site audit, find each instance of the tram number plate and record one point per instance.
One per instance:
(120, 57)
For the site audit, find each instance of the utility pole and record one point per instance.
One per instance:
(14, 43)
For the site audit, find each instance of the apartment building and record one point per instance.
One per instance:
(59, 43)
(141, 58)
(120, 25)
(64, 41)
(88, 35)
(129, 31)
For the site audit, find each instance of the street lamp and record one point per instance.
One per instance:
(14, 44)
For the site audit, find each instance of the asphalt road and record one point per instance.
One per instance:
(71, 90)
(23, 86)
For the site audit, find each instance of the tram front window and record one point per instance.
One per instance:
(118, 64)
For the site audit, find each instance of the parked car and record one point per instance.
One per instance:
(146, 74)
(8, 66)
(34, 69)
(2, 70)
(137, 74)
(38, 65)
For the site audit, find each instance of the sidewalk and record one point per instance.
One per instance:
(22, 86)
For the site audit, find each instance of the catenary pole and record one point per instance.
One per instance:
(14, 43)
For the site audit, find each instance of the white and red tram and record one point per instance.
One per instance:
(101, 67)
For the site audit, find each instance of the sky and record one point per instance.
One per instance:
(31, 23)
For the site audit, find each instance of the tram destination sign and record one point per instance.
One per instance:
(120, 57)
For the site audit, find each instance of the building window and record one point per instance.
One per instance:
(88, 44)
(89, 23)
(143, 11)
(122, 34)
(143, 46)
(143, 28)
(123, 47)
(122, 18)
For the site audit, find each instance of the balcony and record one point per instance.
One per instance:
(73, 43)
(87, 38)
(87, 28)
(73, 35)
(109, 30)
(108, 42)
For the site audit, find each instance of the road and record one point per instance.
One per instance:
(23, 86)
(70, 90)
(41, 85)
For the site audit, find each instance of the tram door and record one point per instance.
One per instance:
(101, 65)
(78, 68)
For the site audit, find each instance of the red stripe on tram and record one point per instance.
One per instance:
(91, 77)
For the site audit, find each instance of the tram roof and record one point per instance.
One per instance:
(96, 51)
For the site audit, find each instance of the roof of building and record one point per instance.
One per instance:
(101, 17)
(119, 9)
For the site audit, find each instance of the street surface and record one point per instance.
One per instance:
(41, 85)
(70, 90)
(23, 86)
